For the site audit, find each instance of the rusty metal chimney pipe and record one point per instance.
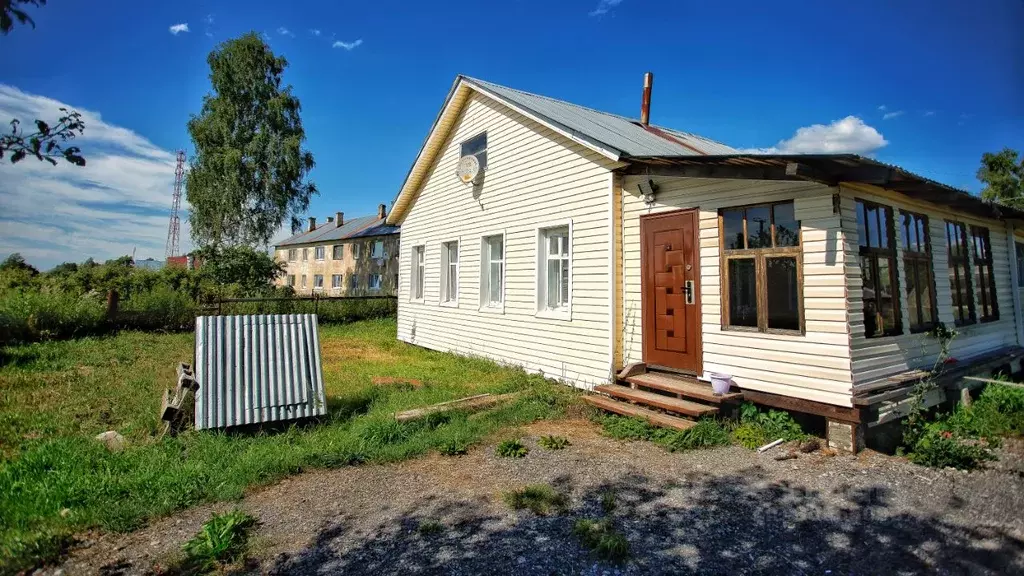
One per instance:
(645, 105)
(312, 224)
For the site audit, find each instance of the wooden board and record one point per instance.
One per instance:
(469, 403)
(657, 400)
(656, 418)
(685, 386)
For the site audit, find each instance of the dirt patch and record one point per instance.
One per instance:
(724, 511)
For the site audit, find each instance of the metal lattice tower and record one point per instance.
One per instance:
(171, 249)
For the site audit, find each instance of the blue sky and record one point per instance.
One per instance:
(928, 85)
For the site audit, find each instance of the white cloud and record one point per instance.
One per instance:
(604, 7)
(929, 113)
(893, 114)
(314, 31)
(883, 108)
(209, 24)
(177, 28)
(285, 32)
(118, 202)
(847, 136)
(347, 45)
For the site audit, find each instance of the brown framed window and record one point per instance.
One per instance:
(959, 274)
(919, 272)
(762, 271)
(878, 270)
(983, 277)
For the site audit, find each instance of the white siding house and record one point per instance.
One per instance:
(588, 242)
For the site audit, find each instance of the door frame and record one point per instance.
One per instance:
(644, 302)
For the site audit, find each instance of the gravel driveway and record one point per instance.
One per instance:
(721, 511)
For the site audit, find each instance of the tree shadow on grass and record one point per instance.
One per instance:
(737, 524)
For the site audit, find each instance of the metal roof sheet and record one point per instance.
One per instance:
(623, 134)
(331, 231)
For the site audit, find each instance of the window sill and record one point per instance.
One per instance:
(770, 331)
(416, 300)
(450, 304)
(554, 314)
(493, 309)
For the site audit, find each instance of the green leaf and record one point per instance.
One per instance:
(17, 156)
(43, 127)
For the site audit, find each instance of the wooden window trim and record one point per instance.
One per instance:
(920, 257)
(983, 264)
(890, 253)
(954, 263)
(760, 257)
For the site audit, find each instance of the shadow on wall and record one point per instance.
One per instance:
(737, 524)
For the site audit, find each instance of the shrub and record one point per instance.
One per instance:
(601, 537)
(939, 448)
(757, 428)
(608, 502)
(707, 433)
(540, 499)
(511, 449)
(27, 316)
(429, 528)
(624, 428)
(553, 442)
(223, 538)
(454, 446)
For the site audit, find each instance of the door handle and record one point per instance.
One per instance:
(688, 290)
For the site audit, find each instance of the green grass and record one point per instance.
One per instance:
(707, 433)
(540, 499)
(429, 528)
(758, 427)
(511, 449)
(601, 537)
(224, 538)
(553, 442)
(55, 480)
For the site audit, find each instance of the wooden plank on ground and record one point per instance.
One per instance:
(469, 403)
(656, 418)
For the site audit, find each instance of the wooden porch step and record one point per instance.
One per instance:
(656, 418)
(685, 386)
(657, 400)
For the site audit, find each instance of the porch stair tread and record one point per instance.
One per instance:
(686, 386)
(626, 409)
(657, 400)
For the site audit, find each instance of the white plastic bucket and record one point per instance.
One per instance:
(720, 383)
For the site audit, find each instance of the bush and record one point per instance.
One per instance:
(757, 428)
(27, 316)
(511, 449)
(707, 433)
(159, 309)
(223, 538)
(939, 448)
(540, 499)
(601, 537)
(553, 442)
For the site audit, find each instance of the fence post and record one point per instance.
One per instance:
(112, 302)
(316, 304)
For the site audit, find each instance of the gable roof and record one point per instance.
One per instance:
(614, 137)
(355, 228)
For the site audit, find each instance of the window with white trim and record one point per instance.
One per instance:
(292, 254)
(355, 251)
(318, 282)
(305, 254)
(492, 271)
(335, 281)
(417, 272)
(450, 272)
(303, 280)
(553, 274)
(291, 280)
(337, 253)
(375, 282)
(378, 249)
(318, 252)
(476, 146)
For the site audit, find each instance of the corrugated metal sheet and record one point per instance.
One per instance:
(255, 369)
(613, 131)
(353, 228)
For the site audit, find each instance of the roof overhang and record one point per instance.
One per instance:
(828, 169)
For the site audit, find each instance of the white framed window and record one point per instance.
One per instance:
(355, 251)
(292, 254)
(554, 271)
(417, 273)
(335, 281)
(318, 282)
(291, 280)
(492, 272)
(305, 254)
(303, 280)
(476, 146)
(338, 252)
(378, 249)
(450, 273)
(318, 252)
(376, 281)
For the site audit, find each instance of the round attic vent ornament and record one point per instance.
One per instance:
(469, 169)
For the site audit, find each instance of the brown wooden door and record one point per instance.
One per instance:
(670, 265)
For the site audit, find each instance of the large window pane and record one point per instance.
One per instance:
(925, 281)
(742, 292)
(732, 229)
(787, 227)
(783, 293)
(912, 295)
(759, 227)
(886, 303)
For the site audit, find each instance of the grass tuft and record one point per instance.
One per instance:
(757, 427)
(553, 442)
(540, 499)
(223, 539)
(601, 537)
(608, 501)
(707, 433)
(511, 449)
(429, 528)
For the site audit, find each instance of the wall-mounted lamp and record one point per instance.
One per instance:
(647, 191)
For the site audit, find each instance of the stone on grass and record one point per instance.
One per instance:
(112, 440)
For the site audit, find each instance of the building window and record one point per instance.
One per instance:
(417, 273)
(450, 272)
(378, 249)
(353, 283)
(762, 265)
(476, 146)
(375, 282)
(919, 272)
(335, 281)
(291, 254)
(338, 252)
(554, 271)
(305, 254)
(492, 271)
(303, 281)
(878, 270)
(355, 250)
(318, 252)
(983, 277)
(318, 282)
(1019, 248)
(959, 276)
(291, 280)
